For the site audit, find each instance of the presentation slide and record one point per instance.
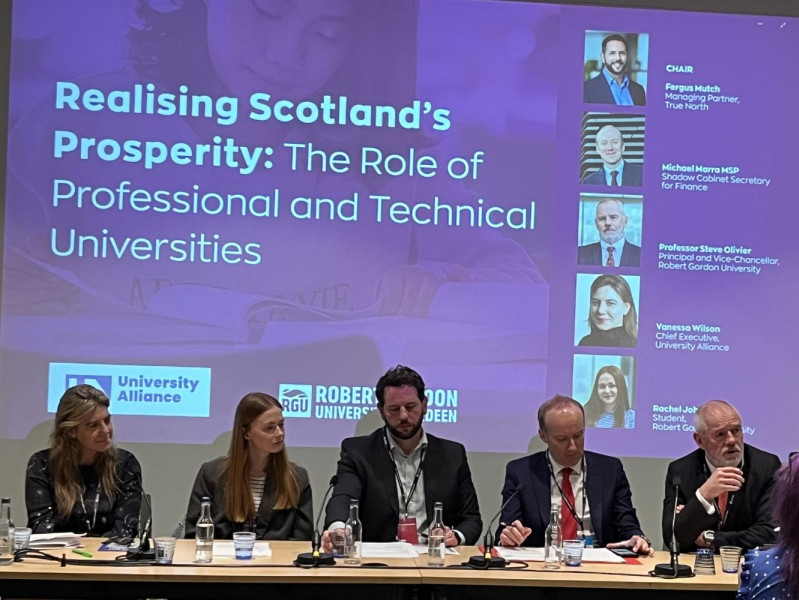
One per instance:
(209, 198)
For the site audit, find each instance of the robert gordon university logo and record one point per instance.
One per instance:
(296, 399)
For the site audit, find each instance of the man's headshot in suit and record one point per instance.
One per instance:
(615, 171)
(613, 84)
(612, 249)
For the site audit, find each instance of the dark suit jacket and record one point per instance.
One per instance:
(365, 472)
(633, 175)
(748, 522)
(591, 254)
(609, 498)
(597, 91)
(270, 524)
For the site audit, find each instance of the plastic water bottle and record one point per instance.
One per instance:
(553, 539)
(436, 536)
(6, 533)
(354, 534)
(204, 536)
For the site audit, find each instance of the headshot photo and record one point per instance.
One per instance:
(605, 310)
(609, 232)
(612, 150)
(604, 384)
(615, 68)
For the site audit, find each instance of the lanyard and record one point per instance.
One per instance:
(405, 499)
(571, 508)
(93, 522)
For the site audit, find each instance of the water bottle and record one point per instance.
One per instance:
(553, 539)
(6, 533)
(354, 536)
(204, 536)
(436, 536)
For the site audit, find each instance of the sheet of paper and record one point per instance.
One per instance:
(388, 550)
(225, 549)
(65, 539)
(537, 554)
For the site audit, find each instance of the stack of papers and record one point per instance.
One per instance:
(64, 539)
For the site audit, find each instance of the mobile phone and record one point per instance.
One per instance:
(624, 552)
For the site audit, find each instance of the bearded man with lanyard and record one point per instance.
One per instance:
(398, 472)
(591, 489)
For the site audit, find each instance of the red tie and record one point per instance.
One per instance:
(611, 260)
(722, 501)
(567, 518)
(614, 178)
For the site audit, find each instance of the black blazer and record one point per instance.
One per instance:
(748, 523)
(591, 254)
(609, 498)
(365, 472)
(270, 524)
(597, 91)
(633, 175)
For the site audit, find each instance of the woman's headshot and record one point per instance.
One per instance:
(609, 404)
(83, 483)
(612, 317)
(255, 487)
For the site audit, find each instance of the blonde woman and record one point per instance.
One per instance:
(83, 483)
(255, 487)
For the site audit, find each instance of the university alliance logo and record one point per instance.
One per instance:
(296, 399)
(101, 382)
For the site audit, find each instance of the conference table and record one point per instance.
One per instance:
(275, 578)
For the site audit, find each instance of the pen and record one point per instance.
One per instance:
(82, 553)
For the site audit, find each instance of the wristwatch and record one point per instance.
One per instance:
(709, 538)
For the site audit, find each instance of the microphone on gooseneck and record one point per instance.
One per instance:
(485, 560)
(674, 569)
(314, 558)
(144, 551)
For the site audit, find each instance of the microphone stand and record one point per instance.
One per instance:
(486, 560)
(315, 558)
(144, 551)
(673, 569)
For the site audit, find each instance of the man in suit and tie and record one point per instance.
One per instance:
(725, 486)
(615, 171)
(612, 249)
(398, 472)
(591, 489)
(612, 85)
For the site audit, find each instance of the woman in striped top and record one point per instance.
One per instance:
(609, 404)
(255, 487)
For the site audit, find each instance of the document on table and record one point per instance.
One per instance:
(422, 549)
(388, 550)
(602, 555)
(65, 539)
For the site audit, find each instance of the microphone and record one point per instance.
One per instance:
(674, 569)
(144, 551)
(314, 558)
(486, 561)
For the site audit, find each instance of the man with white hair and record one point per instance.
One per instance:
(724, 496)
(613, 249)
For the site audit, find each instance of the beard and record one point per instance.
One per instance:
(611, 237)
(400, 435)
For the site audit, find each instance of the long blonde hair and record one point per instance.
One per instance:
(76, 405)
(239, 504)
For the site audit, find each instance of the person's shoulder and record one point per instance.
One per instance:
(444, 443)
(526, 462)
(125, 456)
(766, 458)
(602, 461)
(301, 472)
(39, 459)
(362, 441)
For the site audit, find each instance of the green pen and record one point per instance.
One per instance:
(82, 553)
